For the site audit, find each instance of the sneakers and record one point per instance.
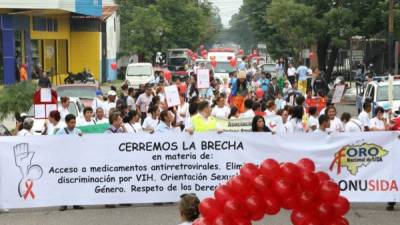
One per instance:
(77, 207)
(390, 206)
(63, 208)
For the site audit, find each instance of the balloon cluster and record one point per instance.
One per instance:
(265, 189)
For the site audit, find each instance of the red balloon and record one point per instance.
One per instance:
(290, 171)
(341, 206)
(324, 211)
(234, 209)
(255, 205)
(329, 191)
(322, 177)
(259, 93)
(242, 221)
(213, 63)
(290, 203)
(209, 208)
(195, 55)
(270, 168)
(167, 75)
(308, 181)
(114, 66)
(233, 62)
(222, 194)
(222, 220)
(263, 185)
(284, 188)
(241, 185)
(311, 221)
(298, 217)
(272, 205)
(241, 52)
(306, 200)
(306, 164)
(249, 170)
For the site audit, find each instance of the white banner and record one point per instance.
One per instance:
(127, 168)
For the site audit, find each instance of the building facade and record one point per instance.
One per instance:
(54, 36)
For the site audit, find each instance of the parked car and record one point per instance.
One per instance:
(75, 107)
(4, 131)
(85, 92)
(139, 73)
(268, 68)
(377, 92)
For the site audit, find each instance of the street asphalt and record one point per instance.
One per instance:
(360, 214)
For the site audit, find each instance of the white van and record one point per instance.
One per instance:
(139, 73)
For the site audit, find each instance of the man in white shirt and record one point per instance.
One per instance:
(130, 100)
(143, 102)
(99, 118)
(110, 103)
(378, 123)
(351, 125)
(87, 118)
(364, 115)
(324, 124)
(248, 110)
(291, 74)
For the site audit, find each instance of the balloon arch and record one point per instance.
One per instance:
(313, 197)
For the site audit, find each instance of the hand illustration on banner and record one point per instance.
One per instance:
(29, 172)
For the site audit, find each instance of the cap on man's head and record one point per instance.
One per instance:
(111, 93)
(386, 107)
(242, 75)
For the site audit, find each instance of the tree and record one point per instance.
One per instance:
(16, 98)
(142, 31)
(240, 32)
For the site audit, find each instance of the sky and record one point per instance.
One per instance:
(227, 9)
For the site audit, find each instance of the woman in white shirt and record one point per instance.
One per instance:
(132, 122)
(336, 124)
(378, 123)
(182, 112)
(189, 209)
(220, 111)
(55, 123)
(151, 121)
(295, 123)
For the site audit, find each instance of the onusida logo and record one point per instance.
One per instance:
(353, 157)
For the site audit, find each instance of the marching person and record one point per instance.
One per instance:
(324, 124)
(64, 111)
(248, 110)
(110, 103)
(99, 117)
(151, 121)
(295, 123)
(203, 121)
(132, 122)
(363, 117)
(220, 110)
(27, 127)
(378, 123)
(87, 118)
(258, 125)
(143, 102)
(336, 124)
(351, 125)
(189, 209)
(54, 124)
(165, 124)
(116, 123)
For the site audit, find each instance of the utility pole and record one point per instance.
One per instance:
(390, 35)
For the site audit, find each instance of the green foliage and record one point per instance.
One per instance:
(16, 98)
(151, 26)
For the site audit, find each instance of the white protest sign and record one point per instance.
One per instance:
(203, 78)
(103, 169)
(172, 96)
(45, 95)
(337, 96)
(39, 111)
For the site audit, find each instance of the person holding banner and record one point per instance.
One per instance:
(132, 122)
(87, 118)
(336, 124)
(324, 124)
(378, 123)
(54, 124)
(27, 127)
(220, 110)
(258, 125)
(99, 118)
(116, 123)
(151, 121)
(248, 109)
(165, 124)
(295, 124)
(70, 121)
(203, 121)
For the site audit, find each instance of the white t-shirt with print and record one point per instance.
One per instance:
(221, 113)
(336, 125)
(150, 123)
(376, 123)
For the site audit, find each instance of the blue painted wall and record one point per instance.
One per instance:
(8, 26)
(89, 7)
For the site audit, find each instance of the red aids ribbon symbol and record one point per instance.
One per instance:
(29, 185)
(272, 125)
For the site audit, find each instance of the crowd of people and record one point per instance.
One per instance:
(246, 95)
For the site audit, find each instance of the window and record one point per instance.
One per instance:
(39, 23)
(52, 25)
(45, 24)
(85, 24)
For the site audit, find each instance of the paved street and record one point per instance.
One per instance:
(361, 214)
